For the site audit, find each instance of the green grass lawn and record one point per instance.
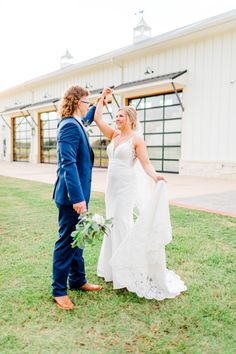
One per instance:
(201, 320)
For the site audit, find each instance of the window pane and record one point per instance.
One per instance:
(93, 130)
(45, 124)
(154, 113)
(44, 116)
(171, 98)
(154, 101)
(171, 166)
(17, 135)
(107, 118)
(53, 124)
(53, 159)
(104, 152)
(52, 116)
(140, 103)
(171, 153)
(155, 152)
(46, 133)
(153, 127)
(140, 115)
(96, 151)
(173, 112)
(52, 142)
(155, 139)
(172, 139)
(173, 125)
(28, 134)
(53, 133)
(107, 108)
(104, 141)
(104, 162)
(95, 141)
(137, 102)
(157, 165)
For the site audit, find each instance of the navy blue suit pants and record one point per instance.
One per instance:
(68, 262)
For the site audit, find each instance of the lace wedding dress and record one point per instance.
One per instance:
(133, 255)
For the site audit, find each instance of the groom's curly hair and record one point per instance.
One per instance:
(70, 99)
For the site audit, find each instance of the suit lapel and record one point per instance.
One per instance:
(86, 137)
(89, 146)
(81, 124)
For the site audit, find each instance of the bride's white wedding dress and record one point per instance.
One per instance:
(133, 255)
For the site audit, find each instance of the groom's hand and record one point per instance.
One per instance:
(80, 208)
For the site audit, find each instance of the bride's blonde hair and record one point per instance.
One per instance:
(131, 113)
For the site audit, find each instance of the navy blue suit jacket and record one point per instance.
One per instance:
(75, 161)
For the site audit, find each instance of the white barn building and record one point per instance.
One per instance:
(183, 84)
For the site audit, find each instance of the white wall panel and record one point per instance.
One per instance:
(232, 106)
(209, 119)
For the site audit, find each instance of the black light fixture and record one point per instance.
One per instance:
(88, 85)
(148, 71)
(46, 95)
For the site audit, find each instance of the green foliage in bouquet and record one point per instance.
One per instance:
(90, 227)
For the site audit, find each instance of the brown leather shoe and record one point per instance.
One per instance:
(64, 302)
(91, 287)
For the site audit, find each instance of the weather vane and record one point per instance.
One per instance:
(139, 12)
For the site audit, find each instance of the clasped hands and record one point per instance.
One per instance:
(105, 92)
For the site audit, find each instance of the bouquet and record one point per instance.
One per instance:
(90, 227)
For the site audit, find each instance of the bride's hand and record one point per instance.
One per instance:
(158, 178)
(106, 92)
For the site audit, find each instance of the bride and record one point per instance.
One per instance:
(133, 255)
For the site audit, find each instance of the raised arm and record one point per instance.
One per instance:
(88, 119)
(142, 155)
(106, 129)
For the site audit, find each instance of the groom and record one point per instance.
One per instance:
(72, 193)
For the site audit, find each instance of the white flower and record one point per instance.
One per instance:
(99, 219)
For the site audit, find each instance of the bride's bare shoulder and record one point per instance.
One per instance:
(138, 139)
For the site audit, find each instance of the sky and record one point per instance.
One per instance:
(35, 33)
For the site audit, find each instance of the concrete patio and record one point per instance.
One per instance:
(209, 194)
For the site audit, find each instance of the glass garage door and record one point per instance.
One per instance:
(98, 141)
(48, 137)
(161, 118)
(21, 138)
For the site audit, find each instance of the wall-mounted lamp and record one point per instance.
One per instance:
(148, 71)
(88, 85)
(46, 95)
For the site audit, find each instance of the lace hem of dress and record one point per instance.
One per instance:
(149, 287)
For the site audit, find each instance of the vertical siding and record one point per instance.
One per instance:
(224, 73)
(231, 143)
(209, 117)
(209, 120)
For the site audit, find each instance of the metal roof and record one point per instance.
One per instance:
(170, 76)
(31, 105)
(15, 108)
